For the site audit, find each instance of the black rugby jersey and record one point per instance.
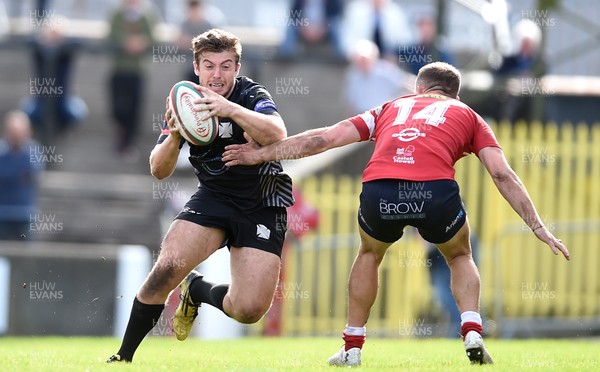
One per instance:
(247, 187)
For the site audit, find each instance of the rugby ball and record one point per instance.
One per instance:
(195, 131)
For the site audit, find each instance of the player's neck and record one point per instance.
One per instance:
(436, 89)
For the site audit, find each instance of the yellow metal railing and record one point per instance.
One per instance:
(560, 166)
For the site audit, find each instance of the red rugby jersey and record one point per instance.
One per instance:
(421, 137)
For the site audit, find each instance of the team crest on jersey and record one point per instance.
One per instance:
(262, 231)
(225, 129)
(409, 134)
(404, 155)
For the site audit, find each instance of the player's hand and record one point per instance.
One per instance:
(543, 234)
(172, 121)
(246, 154)
(214, 103)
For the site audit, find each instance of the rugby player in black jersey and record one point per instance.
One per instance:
(242, 208)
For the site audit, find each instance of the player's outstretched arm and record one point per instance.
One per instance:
(163, 158)
(513, 190)
(304, 144)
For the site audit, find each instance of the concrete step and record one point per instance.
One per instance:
(120, 209)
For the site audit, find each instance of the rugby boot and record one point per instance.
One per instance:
(187, 311)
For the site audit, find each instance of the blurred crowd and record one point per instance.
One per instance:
(381, 45)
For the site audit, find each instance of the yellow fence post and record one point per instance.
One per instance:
(590, 253)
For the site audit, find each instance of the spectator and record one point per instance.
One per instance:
(370, 81)
(200, 17)
(312, 22)
(427, 50)
(130, 38)
(18, 177)
(40, 9)
(381, 21)
(53, 108)
(526, 65)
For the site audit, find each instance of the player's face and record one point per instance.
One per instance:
(217, 71)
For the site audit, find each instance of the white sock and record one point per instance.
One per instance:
(470, 316)
(355, 331)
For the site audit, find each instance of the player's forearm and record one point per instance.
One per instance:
(163, 158)
(264, 129)
(301, 145)
(513, 190)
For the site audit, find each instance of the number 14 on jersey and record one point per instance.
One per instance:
(433, 114)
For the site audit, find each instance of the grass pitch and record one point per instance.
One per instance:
(285, 354)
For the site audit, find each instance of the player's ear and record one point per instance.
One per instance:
(418, 89)
(196, 69)
(237, 68)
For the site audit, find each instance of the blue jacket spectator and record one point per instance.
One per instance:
(18, 177)
(413, 57)
(383, 22)
(312, 22)
(53, 107)
(370, 80)
(518, 74)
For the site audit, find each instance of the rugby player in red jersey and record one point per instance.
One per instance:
(418, 139)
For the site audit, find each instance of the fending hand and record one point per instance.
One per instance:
(242, 154)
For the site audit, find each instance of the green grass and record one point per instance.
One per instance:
(300, 354)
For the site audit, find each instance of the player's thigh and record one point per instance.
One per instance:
(254, 277)
(185, 245)
(370, 245)
(458, 245)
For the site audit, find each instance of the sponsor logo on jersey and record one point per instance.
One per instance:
(264, 104)
(408, 134)
(455, 221)
(404, 155)
(402, 210)
(189, 210)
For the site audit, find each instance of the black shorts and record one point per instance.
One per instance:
(263, 229)
(433, 207)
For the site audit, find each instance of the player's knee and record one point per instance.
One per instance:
(249, 314)
(463, 254)
(372, 254)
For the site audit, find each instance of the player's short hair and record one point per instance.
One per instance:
(216, 40)
(439, 76)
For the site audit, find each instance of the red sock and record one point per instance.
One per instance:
(470, 326)
(353, 341)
